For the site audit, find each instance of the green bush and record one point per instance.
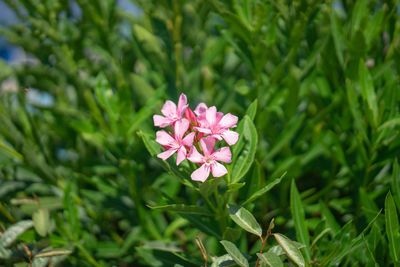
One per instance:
(315, 86)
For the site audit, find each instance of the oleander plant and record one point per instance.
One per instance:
(200, 133)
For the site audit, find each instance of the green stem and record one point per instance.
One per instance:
(217, 200)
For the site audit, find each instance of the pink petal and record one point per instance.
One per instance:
(219, 116)
(207, 145)
(180, 127)
(188, 140)
(200, 109)
(202, 130)
(161, 121)
(223, 154)
(166, 154)
(163, 138)
(228, 121)
(182, 104)
(230, 137)
(194, 155)
(217, 136)
(201, 174)
(218, 169)
(169, 110)
(181, 155)
(211, 115)
(189, 115)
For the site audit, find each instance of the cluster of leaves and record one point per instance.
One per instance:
(314, 83)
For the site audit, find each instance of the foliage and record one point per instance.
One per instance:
(315, 87)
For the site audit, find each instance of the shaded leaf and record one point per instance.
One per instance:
(392, 228)
(297, 210)
(182, 208)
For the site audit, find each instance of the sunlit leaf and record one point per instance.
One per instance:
(245, 219)
(291, 250)
(235, 253)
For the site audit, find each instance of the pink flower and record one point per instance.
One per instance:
(171, 112)
(175, 143)
(209, 160)
(216, 124)
(189, 115)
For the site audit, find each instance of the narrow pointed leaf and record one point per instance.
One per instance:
(248, 140)
(367, 90)
(182, 208)
(297, 210)
(252, 110)
(264, 190)
(392, 228)
(396, 182)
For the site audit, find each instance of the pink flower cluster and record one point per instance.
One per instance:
(198, 130)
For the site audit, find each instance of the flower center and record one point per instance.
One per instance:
(208, 160)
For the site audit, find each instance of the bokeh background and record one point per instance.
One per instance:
(79, 79)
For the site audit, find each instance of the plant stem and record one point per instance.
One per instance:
(262, 246)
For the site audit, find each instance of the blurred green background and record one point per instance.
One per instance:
(90, 74)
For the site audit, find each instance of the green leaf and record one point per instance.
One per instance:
(209, 187)
(161, 245)
(297, 210)
(233, 187)
(252, 110)
(245, 219)
(242, 163)
(395, 185)
(359, 12)
(270, 259)
(235, 253)
(222, 261)
(330, 219)
(41, 221)
(149, 143)
(11, 234)
(29, 206)
(279, 251)
(264, 190)
(146, 111)
(11, 150)
(71, 212)
(355, 109)
(182, 208)
(150, 42)
(337, 37)
(5, 253)
(286, 136)
(205, 224)
(367, 90)
(392, 228)
(231, 234)
(374, 26)
(290, 248)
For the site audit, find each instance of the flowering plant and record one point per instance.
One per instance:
(195, 135)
